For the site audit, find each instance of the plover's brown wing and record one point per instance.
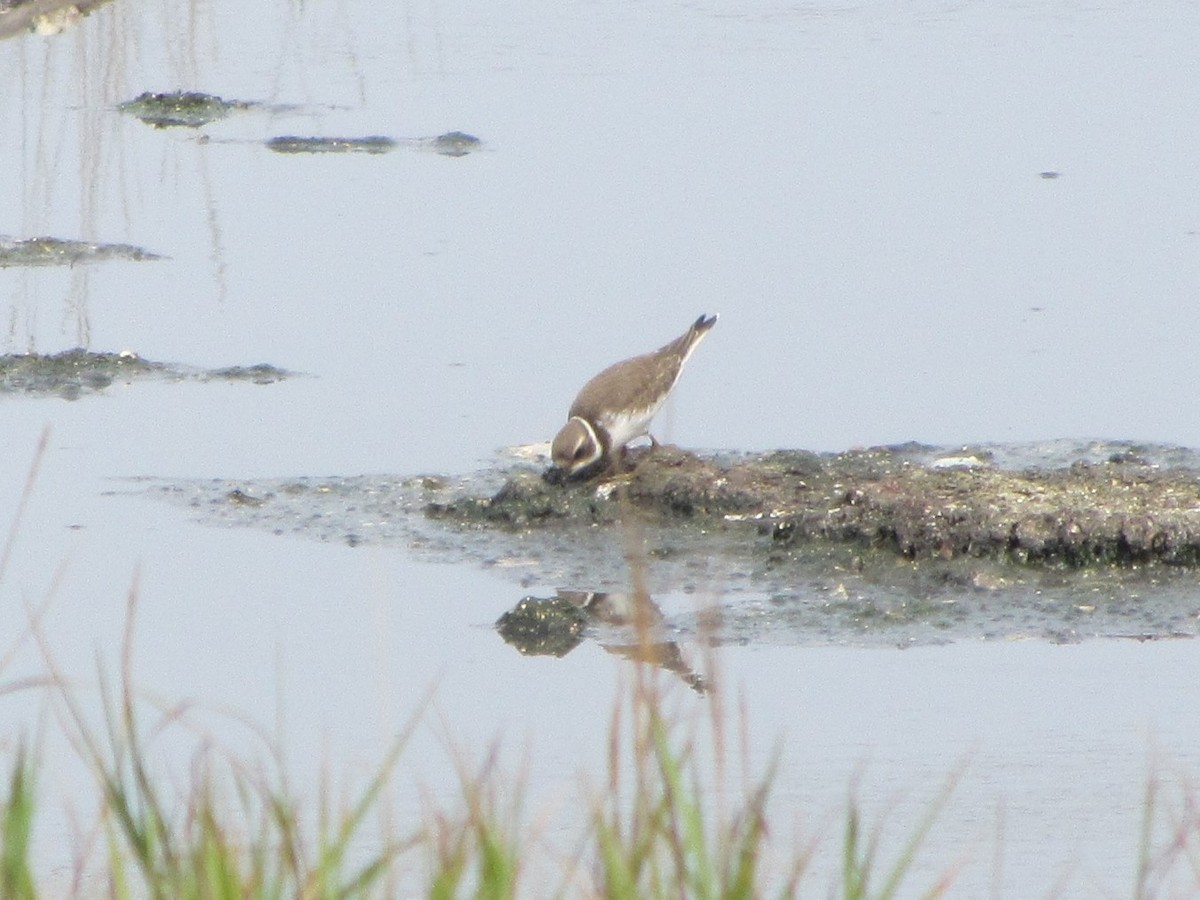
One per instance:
(627, 385)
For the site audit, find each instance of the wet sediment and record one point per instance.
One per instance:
(1124, 509)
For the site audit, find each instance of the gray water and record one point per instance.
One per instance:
(857, 188)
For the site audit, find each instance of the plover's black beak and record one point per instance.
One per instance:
(561, 477)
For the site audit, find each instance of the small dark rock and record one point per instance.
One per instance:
(783, 532)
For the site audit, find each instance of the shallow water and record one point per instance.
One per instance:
(856, 188)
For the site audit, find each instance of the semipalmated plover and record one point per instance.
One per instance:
(617, 405)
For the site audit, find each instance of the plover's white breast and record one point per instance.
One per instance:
(625, 425)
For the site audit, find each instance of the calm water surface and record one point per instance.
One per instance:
(857, 188)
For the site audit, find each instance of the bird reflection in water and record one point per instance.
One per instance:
(631, 626)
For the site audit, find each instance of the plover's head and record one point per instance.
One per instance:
(576, 446)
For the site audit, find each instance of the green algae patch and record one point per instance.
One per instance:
(71, 373)
(181, 109)
(74, 373)
(50, 251)
(293, 144)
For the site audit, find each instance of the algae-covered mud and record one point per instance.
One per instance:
(900, 545)
(1125, 508)
(453, 143)
(180, 109)
(50, 251)
(73, 373)
(293, 144)
(194, 109)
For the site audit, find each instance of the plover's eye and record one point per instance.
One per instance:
(580, 452)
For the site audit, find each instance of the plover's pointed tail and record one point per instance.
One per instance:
(688, 341)
(697, 332)
(702, 324)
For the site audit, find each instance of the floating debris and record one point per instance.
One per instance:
(46, 18)
(180, 109)
(292, 144)
(73, 373)
(49, 251)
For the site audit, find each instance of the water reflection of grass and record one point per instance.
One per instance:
(234, 830)
(653, 828)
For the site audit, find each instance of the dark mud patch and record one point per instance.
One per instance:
(49, 251)
(454, 144)
(895, 546)
(74, 373)
(181, 109)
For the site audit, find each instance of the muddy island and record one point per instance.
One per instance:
(1124, 505)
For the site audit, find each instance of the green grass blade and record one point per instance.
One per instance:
(16, 831)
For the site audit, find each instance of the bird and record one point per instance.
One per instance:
(617, 405)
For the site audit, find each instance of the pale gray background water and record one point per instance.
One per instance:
(856, 189)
